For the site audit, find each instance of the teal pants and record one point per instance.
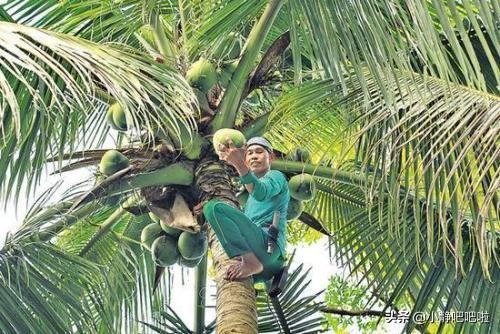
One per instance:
(238, 235)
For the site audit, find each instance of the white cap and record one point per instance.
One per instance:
(260, 141)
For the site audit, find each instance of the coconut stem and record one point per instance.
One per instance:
(66, 221)
(184, 16)
(321, 171)
(232, 97)
(108, 224)
(160, 36)
(200, 295)
(178, 173)
(256, 127)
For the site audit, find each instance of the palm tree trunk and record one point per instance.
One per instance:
(235, 306)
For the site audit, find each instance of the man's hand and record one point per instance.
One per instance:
(233, 156)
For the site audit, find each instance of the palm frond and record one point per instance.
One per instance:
(439, 141)
(89, 19)
(216, 20)
(298, 312)
(170, 323)
(396, 263)
(291, 312)
(312, 107)
(444, 152)
(379, 35)
(49, 83)
(39, 293)
(128, 289)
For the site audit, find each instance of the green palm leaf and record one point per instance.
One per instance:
(40, 294)
(395, 262)
(447, 154)
(376, 35)
(291, 311)
(51, 80)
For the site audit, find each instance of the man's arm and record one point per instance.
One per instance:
(266, 187)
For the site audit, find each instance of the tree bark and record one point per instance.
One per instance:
(235, 306)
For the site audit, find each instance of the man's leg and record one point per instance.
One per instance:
(238, 236)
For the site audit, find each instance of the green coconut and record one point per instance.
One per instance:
(229, 48)
(174, 232)
(242, 198)
(300, 154)
(295, 208)
(202, 75)
(302, 187)
(225, 72)
(120, 118)
(220, 137)
(164, 251)
(116, 117)
(190, 263)
(112, 161)
(150, 233)
(192, 246)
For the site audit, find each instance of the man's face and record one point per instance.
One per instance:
(258, 159)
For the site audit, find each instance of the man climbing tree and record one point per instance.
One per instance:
(383, 116)
(246, 235)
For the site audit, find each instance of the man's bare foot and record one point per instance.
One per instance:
(248, 266)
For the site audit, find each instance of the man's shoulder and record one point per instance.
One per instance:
(276, 174)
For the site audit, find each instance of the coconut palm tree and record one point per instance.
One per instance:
(396, 100)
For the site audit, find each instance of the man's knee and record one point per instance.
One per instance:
(209, 209)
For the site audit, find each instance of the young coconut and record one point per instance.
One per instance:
(164, 251)
(150, 233)
(302, 187)
(220, 137)
(192, 246)
(112, 161)
(202, 75)
(165, 224)
(225, 72)
(116, 117)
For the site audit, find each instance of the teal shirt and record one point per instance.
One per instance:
(270, 193)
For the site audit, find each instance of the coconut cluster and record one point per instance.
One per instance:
(170, 245)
